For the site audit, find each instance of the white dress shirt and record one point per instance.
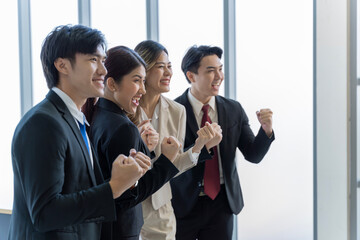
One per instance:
(76, 113)
(212, 113)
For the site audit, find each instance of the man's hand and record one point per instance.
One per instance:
(265, 118)
(124, 173)
(205, 134)
(170, 147)
(217, 136)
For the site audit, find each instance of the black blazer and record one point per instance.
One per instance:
(236, 134)
(112, 133)
(56, 190)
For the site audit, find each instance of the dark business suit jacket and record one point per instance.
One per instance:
(236, 134)
(112, 133)
(57, 193)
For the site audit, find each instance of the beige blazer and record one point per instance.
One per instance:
(172, 122)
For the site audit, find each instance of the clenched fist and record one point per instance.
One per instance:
(148, 134)
(124, 173)
(141, 159)
(265, 118)
(217, 136)
(170, 147)
(205, 134)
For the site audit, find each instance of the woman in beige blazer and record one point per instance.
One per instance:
(168, 118)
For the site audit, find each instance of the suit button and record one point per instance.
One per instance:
(199, 184)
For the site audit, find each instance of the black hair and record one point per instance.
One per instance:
(64, 42)
(120, 61)
(191, 60)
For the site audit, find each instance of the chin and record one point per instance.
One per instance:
(131, 111)
(165, 90)
(215, 93)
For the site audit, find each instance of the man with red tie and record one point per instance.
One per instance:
(206, 196)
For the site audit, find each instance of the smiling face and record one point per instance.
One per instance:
(206, 82)
(129, 90)
(84, 77)
(159, 76)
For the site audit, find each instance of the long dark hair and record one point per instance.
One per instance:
(120, 61)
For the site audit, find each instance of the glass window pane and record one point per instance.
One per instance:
(182, 26)
(275, 70)
(122, 22)
(45, 16)
(10, 97)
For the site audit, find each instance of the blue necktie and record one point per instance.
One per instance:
(83, 133)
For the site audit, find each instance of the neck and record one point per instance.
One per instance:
(109, 96)
(148, 103)
(76, 98)
(202, 98)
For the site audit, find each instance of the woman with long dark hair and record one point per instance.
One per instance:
(112, 133)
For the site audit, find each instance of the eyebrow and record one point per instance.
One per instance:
(211, 67)
(137, 75)
(162, 63)
(98, 55)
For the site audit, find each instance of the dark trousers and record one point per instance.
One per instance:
(209, 219)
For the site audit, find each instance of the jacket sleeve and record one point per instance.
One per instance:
(183, 160)
(40, 152)
(124, 139)
(252, 147)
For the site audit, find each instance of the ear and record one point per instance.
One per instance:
(190, 76)
(111, 84)
(62, 65)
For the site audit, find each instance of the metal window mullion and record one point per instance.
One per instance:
(352, 130)
(230, 48)
(315, 168)
(25, 56)
(84, 11)
(230, 62)
(152, 19)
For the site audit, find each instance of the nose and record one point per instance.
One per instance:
(219, 74)
(168, 72)
(142, 89)
(102, 69)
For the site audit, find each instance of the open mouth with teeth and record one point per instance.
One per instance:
(135, 100)
(99, 82)
(216, 85)
(167, 82)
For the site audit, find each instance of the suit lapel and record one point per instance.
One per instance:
(60, 105)
(220, 106)
(191, 120)
(163, 119)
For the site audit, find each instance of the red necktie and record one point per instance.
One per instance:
(211, 173)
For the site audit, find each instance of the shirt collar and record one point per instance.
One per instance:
(197, 105)
(155, 115)
(78, 115)
(156, 112)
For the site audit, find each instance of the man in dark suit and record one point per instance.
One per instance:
(59, 192)
(206, 197)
